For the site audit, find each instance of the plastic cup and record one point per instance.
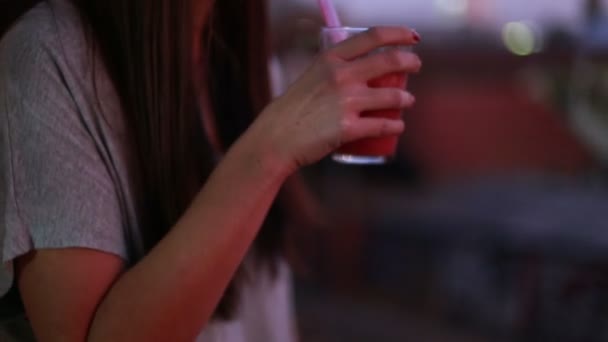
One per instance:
(370, 151)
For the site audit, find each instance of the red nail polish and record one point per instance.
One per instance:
(417, 38)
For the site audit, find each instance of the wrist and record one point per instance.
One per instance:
(259, 152)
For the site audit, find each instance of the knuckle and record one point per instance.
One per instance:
(406, 60)
(400, 33)
(415, 61)
(338, 75)
(400, 98)
(377, 34)
(345, 126)
(385, 35)
(395, 59)
(404, 31)
(348, 102)
(382, 128)
(385, 128)
(395, 98)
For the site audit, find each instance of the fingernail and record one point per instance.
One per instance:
(417, 37)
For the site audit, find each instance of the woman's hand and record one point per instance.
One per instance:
(321, 111)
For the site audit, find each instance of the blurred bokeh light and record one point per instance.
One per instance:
(491, 224)
(519, 37)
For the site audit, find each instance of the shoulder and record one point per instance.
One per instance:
(26, 44)
(49, 70)
(44, 43)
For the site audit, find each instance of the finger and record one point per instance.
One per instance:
(381, 98)
(374, 128)
(384, 63)
(373, 39)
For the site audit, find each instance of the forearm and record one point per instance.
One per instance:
(172, 292)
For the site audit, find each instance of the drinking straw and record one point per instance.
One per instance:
(332, 20)
(330, 15)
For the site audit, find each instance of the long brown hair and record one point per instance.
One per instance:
(147, 48)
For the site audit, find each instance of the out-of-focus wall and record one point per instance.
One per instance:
(494, 206)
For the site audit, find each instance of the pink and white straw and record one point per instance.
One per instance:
(330, 15)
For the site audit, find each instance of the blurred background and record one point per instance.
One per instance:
(492, 223)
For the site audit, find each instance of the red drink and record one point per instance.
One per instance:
(378, 147)
(372, 151)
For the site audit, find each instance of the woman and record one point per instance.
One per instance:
(119, 220)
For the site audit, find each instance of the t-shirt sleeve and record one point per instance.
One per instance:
(55, 189)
